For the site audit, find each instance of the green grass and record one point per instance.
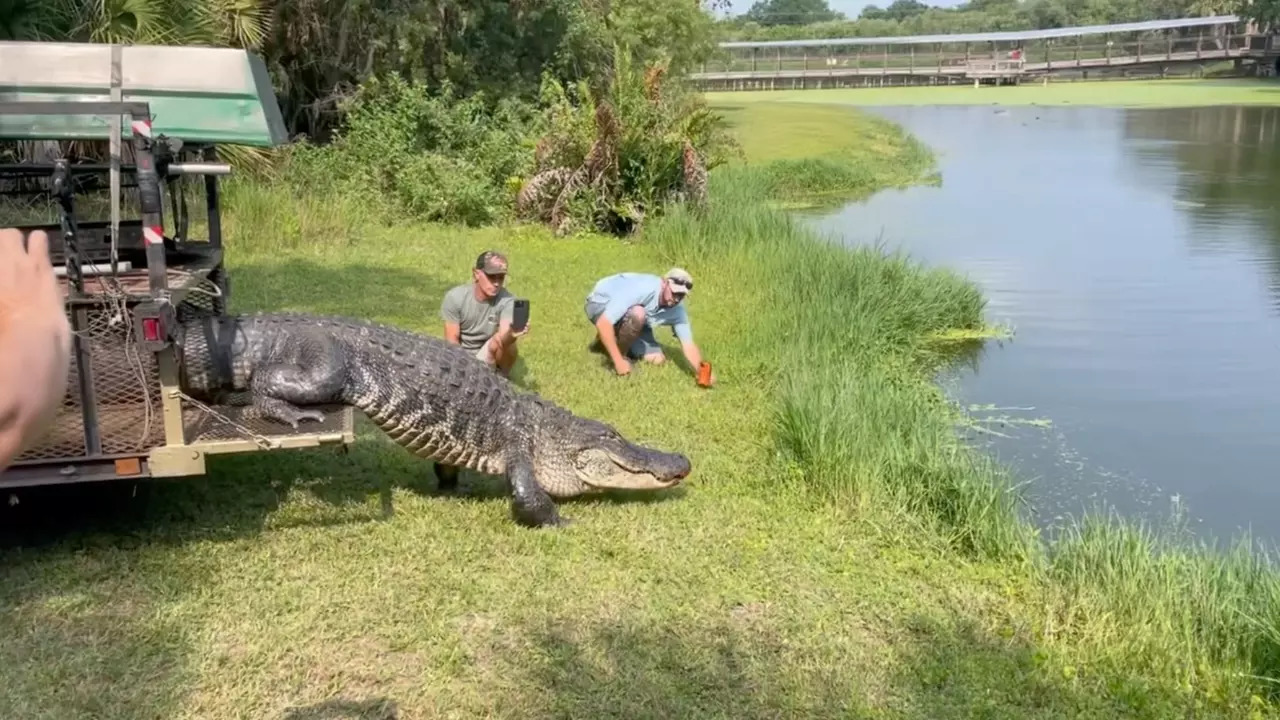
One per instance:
(812, 133)
(1142, 607)
(836, 552)
(1125, 93)
(826, 155)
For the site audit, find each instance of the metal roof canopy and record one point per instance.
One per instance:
(200, 95)
(995, 36)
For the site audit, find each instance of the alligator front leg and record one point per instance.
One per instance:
(446, 477)
(531, 506)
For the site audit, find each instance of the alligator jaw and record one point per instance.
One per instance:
(624, 480)
(640, 469)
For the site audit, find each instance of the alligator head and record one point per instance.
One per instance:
(578, 455)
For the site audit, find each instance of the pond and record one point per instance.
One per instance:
(1136, 255)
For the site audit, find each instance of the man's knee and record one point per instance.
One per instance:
(632, 321)
(508, 353)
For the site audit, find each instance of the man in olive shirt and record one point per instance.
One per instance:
(477, 315)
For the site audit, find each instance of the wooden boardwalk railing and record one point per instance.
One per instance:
(1004, 56)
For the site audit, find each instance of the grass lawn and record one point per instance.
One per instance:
(818, 130)
(293, 582)
(312, 584)
(1130, 93)
(815, 156)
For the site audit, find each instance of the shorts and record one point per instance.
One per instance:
(484, 353)
(645, 344)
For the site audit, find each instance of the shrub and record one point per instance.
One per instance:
(432, 157)
(606, 161)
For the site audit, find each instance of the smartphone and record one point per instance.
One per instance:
(520, 314)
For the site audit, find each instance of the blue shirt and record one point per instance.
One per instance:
(617, 293)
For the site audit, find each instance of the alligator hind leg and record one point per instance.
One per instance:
(273, 408)
(315, 375)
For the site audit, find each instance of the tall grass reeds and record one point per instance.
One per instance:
(844, 330)
(859, 422)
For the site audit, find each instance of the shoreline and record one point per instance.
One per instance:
(1172, 92)
(1165, 579)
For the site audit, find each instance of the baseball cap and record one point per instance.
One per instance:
(492, 262)
(681, 280)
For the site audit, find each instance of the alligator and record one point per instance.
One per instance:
(429, 396)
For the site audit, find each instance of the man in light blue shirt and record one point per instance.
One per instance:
(627, 306)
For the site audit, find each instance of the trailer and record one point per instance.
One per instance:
(149, 120)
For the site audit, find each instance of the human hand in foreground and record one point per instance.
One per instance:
(35, 342)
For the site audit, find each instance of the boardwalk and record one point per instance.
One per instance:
(1152, 46)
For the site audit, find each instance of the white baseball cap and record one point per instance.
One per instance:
(680, 279)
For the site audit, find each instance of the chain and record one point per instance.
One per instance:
(263, 442)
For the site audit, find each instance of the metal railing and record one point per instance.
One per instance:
(1195, 44)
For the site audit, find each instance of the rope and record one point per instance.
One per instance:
(261, 440)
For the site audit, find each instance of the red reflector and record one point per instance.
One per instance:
(151, 328)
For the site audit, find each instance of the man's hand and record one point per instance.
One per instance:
(506, 335)
(504, 329)
(694, 356)
(35, 342)
(622, 366)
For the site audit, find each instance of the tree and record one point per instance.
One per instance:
(791, 12)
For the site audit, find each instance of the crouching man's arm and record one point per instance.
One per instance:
(610, 342)
(453, 333)
(451, 313)
(684, 333)
(505, 338)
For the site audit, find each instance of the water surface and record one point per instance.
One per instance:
(1137, 255)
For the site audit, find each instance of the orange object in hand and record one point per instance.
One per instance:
(704, 374)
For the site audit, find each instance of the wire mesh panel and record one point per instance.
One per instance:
(202, 427)
(207, 300)
(65, 437)
(125, 384)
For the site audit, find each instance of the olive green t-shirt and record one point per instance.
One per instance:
(477, 321)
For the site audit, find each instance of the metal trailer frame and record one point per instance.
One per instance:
(125, 369)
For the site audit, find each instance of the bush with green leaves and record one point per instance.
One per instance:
(609, 159)
(409, 152)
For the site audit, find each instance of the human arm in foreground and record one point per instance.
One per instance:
(35, 343)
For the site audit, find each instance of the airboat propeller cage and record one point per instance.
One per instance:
(196, 94)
